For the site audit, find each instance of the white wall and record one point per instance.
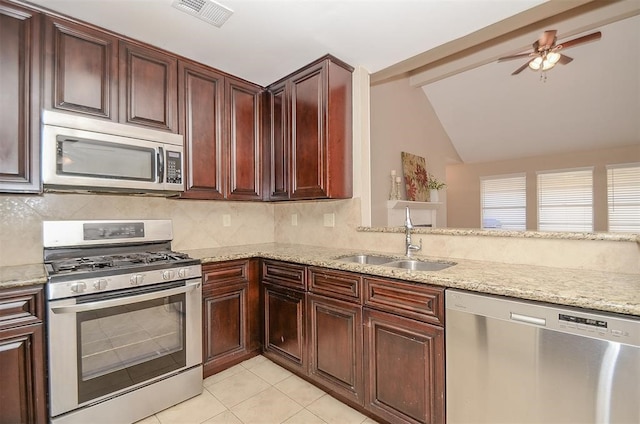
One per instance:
(402, 119)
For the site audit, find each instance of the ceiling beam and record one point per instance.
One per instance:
(570, 23)
(513, 23)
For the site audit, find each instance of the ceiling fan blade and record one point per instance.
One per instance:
(515, 56)
(520, 69)
(547, 39)
(584, 39)
(564, 59)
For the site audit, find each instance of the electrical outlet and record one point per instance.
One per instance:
(294, 219)
(329, 219)
(226, 220)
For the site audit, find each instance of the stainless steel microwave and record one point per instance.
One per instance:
(84, 154)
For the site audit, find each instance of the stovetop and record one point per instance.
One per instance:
(92, 257)
(136, 260)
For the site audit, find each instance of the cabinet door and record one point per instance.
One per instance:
(225, 326)
(308, 131)
(335, 346)
(201, 94)
(244, 151)
(279, 143)
(22, 375)
(405, 368)
(22, 356)
(81, 69)
(284, 327)
(231, 324)
(19, 99)
(148, 87)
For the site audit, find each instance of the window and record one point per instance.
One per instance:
(565, 200)
(623, 193)
(504, 202)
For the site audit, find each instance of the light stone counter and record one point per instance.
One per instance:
(604, 291)
(22, 275)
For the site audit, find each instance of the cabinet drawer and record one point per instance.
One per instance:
(336, 284)
(284, 274)
(424, 303)
(21, 306)
(225, 273)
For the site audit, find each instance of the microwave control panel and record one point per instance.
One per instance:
(174, 167)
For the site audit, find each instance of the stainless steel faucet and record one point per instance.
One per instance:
(408, 226)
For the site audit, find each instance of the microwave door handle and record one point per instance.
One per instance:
(160, 155)
(102, 304)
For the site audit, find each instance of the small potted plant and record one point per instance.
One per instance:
(433, 184)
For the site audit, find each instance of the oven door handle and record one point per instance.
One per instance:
(101, 304)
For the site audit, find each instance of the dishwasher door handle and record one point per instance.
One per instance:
(528, 319)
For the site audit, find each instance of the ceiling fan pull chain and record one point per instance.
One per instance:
(543, 76)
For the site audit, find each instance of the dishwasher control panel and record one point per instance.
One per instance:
(566, 319)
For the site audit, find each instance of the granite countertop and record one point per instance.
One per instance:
(22, 275)
(603, 291)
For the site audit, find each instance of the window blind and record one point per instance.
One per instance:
(623, 195)
(565, 200)
(504, 201)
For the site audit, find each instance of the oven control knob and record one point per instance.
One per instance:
(168, 275)
(183, 272)
(100, 284)
(136, 279)
(78, 287)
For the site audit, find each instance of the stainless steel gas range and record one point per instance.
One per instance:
(124, 320)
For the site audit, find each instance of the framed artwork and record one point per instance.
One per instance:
(415, 177)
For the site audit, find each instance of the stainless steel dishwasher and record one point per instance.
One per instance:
(513, 361)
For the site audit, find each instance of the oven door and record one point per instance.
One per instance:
(104, 345)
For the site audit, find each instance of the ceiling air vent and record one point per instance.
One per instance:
(207, 10)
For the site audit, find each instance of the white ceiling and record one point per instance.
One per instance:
(264, 40)
(487, 113)
(591, 103)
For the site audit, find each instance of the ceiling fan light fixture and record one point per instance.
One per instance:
(536, 63)
(553, 57)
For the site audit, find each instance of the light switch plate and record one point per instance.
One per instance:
(294, 219)
(226, 220)
(329, 219)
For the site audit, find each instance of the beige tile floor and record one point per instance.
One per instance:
(259, 391)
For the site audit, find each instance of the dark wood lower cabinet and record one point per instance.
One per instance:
(22, 357)
(335, 346)
(405, 368)
(284, 335)
(231, 318)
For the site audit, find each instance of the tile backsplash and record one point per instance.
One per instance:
(328, 223)
(196, 224)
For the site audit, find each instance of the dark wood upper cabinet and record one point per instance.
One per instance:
(278, 180)
(148, 87)
(81, 69)
(220, 117)
(19, 99)
(201, 110)
(311, 133)
(244, 148)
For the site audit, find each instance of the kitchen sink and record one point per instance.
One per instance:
(419, 265)
(387, 261)
(367, 259)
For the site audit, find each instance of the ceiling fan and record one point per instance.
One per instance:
(546, 54)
